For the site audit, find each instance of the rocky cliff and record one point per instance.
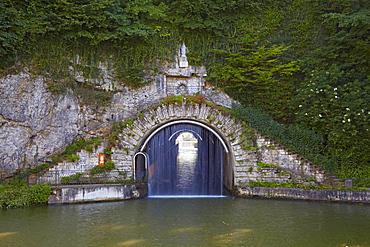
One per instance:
(34, 123)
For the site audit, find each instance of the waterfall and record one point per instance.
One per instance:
(185, 160)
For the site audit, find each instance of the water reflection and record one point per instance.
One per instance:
(133, 242)
(6, 234)
(188, 222)
(233, 237)
(186, 161)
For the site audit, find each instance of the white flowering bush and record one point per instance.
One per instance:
(338, 106)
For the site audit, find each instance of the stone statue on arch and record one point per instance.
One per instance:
(183, 61)
(183, 50)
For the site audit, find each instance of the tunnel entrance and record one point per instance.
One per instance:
(183, 158)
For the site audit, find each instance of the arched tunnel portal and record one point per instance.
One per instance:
(184, 157)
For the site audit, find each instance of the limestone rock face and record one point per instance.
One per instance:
(34, 123)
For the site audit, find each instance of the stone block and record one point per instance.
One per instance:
(196, 110)
(189, 110)
(177, 109)
(348, 184)
(166, 112)
(171, 111)
(183, 62)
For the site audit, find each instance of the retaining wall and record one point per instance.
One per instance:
(245, 156)
(305, 194)
(95, 193)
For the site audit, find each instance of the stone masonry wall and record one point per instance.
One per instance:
(269, 161)
(305, 194)
(245, 162)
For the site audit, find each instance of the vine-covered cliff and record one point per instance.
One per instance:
(305, 62)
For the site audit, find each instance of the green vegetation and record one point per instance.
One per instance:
(108, 166)
(80, 144)
(69, 154)
(39, 168)
(72, 179)
(264, 165)
(108, 151)
(254, 76)
(307, 143)
(177, 99)
(73, 157)
(303, 62)
(17, 194)
(281, 173)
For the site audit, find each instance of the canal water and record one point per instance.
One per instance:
(188, 222)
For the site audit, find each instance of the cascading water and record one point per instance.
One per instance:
(185, 160)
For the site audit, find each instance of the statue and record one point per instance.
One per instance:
(183, 61)
(183, 50)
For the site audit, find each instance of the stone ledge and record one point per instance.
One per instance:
(305, 194)
(95, 193)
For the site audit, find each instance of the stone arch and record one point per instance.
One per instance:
(198, 172)
(209, 161)
(193, 122)
(135, 136)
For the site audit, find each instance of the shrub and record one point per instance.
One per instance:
(72, 179)
(97, 170)
(89, 148)
(39, 194)
(73, 157)
(108, 151)
(39, 168)
(18, 194)
(109, 165)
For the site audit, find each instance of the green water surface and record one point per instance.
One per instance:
(188, 222)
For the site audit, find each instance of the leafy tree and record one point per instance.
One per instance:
(349, 45)
(99, 21)
(215, 16)
(12, 32)
(256, 76)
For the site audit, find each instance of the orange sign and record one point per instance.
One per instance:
(101, 159)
